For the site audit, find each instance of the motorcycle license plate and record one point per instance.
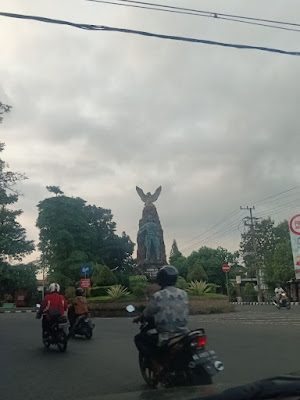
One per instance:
(204, 355)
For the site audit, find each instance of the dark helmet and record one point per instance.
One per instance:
(167, 276)
(79, 292)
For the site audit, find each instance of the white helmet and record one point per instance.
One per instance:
(54, 287)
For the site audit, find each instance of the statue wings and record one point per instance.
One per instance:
(156, 194)
(141, 194)
(148, 198)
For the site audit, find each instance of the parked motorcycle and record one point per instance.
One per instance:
(282, 302)
(83, 326)
(185, 360)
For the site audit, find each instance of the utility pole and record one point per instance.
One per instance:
(251, 225)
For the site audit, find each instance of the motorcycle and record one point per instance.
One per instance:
(83, 326)
(184, 358)
(282, 302)
(56, 333)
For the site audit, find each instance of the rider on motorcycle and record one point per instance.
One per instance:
(169, 309)
(278, 292)
(79, 306)
(53, 306)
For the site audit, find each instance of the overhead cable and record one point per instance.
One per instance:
(175, 10)
(148, 34)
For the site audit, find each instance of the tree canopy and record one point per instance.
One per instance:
(73, 233)
(273, 252)
(54, 189)
(204, 264)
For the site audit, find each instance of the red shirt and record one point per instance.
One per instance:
(54, 301)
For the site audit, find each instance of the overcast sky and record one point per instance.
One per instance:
(97, 113)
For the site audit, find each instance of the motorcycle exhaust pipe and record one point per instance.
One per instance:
(219, 365)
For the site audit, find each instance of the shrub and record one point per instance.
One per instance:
(8, 298)
(248, 289)
(138, 285)
(106, 277)
(197, 288)
(197, 274)
(181, 283)
(117, 292)
(213, 287)
(70, 292)
(99, 291)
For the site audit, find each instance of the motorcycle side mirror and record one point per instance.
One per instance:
(38, 305)
(130, 308)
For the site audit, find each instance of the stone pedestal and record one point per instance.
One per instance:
(156, 257)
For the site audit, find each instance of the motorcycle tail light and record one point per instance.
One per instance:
(201, 341)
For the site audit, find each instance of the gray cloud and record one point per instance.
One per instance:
(98, 113)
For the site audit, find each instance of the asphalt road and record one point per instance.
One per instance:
(254, 343)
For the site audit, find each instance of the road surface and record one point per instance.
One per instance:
(255, 342)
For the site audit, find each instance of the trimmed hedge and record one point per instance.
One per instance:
(118, 308)
(99, 291)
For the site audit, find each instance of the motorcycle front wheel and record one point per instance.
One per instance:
(62, 342)
(146, 371)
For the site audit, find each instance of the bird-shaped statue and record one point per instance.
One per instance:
(148, 198)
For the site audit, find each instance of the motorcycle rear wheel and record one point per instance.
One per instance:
(88, 333)
(62, 342)
(146, 371)
(201, 377)
(46, 343)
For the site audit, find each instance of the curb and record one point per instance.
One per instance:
(263, 303)
(16, 311)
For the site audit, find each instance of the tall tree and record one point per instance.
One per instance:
(265, 240)
(178, 260)
(273, 251)
(54, 189)
(18, 277)
(4, 108)
(72, 233)
(13, 242)
(212, 260)
(174, 253)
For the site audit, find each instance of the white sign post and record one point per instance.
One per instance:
(295, 242)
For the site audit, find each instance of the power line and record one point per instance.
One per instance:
(149, 34)
(212, 236)
(199, 13)
(215, 14)
(277, 194)
(228, 228)
(280, 198)
(283, 207)
(214, 226)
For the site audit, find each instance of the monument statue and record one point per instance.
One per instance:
(148, 198)
(152, 237)
(151, 252)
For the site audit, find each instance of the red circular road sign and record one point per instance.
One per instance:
(295, 224)
(225, 268)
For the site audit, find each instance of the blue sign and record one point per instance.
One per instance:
(85, 269)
